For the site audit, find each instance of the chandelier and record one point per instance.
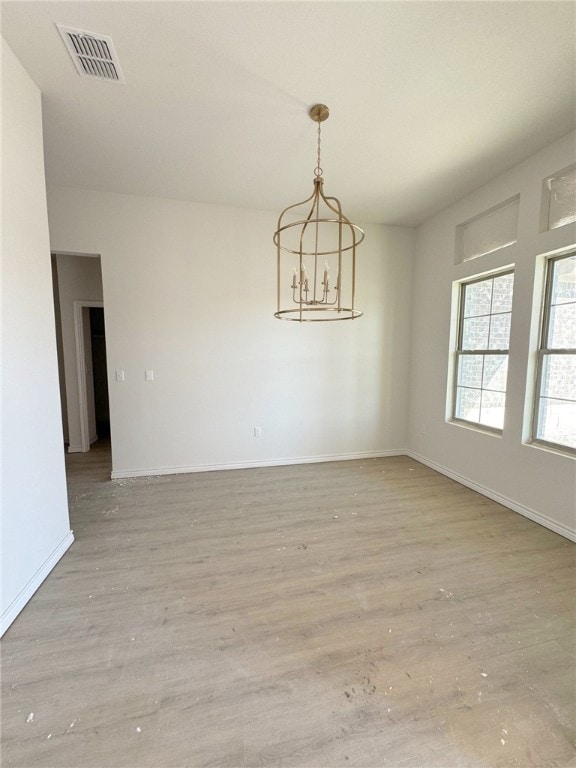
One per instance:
(316, 253)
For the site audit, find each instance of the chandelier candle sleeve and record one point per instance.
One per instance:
(315, 231)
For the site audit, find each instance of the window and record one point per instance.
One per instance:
(555, 408)
(488, 232)
(559, 199)
(482, 351)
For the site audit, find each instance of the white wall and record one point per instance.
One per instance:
(35, 525)
(59, 349)
(79, 278)
(190, 293)
(532, 480)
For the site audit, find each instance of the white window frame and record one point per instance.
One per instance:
(459, 352)
(543, 352)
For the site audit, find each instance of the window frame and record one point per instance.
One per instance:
(458, 352)
(544, 351)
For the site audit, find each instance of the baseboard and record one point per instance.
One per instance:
(531, 514)
(26, 593)
(118, 474)
(78, 448)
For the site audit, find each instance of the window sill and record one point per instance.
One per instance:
(475, 427)
(558, 450)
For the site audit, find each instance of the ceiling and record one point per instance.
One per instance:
(428, 100)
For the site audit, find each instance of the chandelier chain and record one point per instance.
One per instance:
(318, 170)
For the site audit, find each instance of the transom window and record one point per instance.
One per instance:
(482, 350)
(555, 407)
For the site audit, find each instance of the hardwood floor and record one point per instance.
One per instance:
(365, 613)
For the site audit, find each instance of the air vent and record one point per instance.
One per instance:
(93, 54)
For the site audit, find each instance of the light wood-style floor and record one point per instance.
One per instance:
(365, 613)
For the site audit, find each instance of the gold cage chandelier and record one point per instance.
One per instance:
(316, 253)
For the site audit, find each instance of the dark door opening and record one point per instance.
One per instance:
(101, 404)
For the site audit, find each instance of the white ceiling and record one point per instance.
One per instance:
(428, 100)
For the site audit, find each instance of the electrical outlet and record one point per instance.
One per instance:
(257, 431)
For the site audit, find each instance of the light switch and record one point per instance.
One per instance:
(120, 375)
(149, 375)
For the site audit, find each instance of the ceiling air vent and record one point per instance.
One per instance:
(92, 54)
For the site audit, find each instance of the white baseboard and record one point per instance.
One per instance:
(78, 448)
(531, 514)
(118, 474)
(26, 593)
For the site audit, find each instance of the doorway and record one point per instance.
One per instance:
(99, 372)
(81, 343)
(93, 401)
